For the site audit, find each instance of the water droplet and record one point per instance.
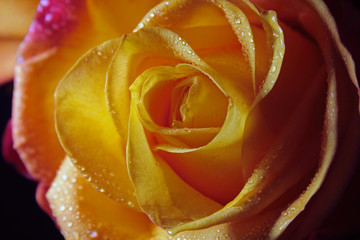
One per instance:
(44, 3)
(64, 177)
(62, 208)
(48, 17)
(92, 234)
(273, 68)
(69, 224)
(141, 25)
(99, 53)
(76, 235)
(237, 20)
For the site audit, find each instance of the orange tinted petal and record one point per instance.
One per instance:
(45, 55)
(61, 33)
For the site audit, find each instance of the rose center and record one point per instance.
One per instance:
(196, 102)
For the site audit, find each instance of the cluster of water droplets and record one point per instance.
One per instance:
(61, 196)
(201, 235)
(104, 179)
(53, 18)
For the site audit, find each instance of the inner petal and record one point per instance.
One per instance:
(180, 106)
(197, 103)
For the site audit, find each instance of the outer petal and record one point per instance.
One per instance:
(83, 121)
(84, 213)
(62, 31)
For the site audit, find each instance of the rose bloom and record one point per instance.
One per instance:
(186, 119)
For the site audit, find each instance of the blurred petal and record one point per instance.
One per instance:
(7, 59)
(15, 18)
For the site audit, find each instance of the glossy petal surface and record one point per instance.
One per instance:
(83, 122)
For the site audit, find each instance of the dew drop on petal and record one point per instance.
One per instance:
(92, 234)
(273, 68)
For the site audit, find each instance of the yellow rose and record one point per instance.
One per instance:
(196, 125)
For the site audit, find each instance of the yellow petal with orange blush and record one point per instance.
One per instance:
(44, 57)
(82, 212)
(85, 128)
(48, 52)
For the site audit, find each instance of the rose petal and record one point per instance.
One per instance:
(82, 212)
(40, 57)
(62, 31)
(83, 121)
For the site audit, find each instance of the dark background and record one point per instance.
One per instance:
(21, 218)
